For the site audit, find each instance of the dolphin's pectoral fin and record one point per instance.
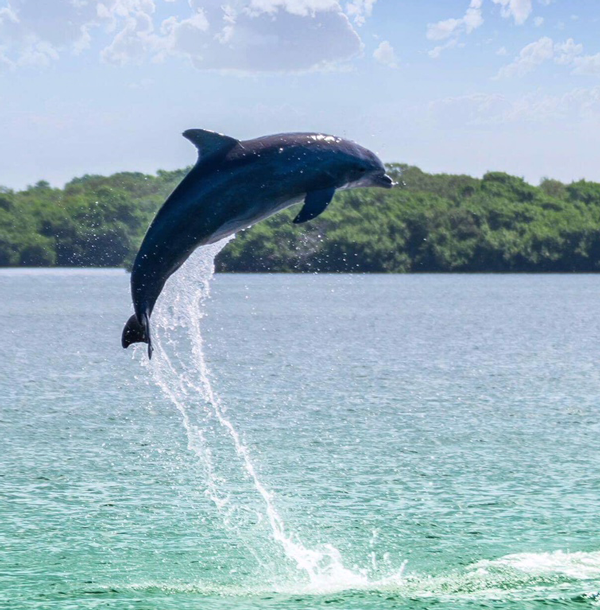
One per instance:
(314, 204)
(210, 145)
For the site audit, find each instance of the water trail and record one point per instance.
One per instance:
(179, 368)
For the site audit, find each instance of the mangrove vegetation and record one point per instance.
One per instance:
(432, 223)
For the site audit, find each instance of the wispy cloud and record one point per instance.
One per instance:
(446, 28)
(454, 28)
(436, 52)
(567, 53)
(483, 111)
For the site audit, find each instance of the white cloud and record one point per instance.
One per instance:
(265, 36)
(38, 32)
(587, 66)
(360, 10)
(443, 29)
(38, 53)
(136, 36)
(567, 53)
(188, 37)
(8, 15)
(386, 55)
(471, 20)
(303, 8)
(33, 31)
(436, 52)
(502, 52)
(519, 10)
(529, 58)
(237, 35)
(454, 28)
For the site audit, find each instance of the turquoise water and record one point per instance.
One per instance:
(331, 441)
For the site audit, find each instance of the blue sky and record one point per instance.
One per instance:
(462, 86)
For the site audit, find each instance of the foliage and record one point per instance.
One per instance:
(432, 223)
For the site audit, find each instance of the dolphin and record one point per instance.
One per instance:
(234, 185)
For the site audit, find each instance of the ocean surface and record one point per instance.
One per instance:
(300, 442)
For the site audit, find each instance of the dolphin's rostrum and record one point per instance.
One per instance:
(233, 185)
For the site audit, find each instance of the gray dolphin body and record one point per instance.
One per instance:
(234, 185)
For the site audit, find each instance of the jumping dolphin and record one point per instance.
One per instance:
(233, 185)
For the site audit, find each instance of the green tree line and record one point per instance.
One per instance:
(432, 223)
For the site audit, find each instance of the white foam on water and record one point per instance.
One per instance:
(179, 368)
(558, 576)
(579, 566)
(552, 575)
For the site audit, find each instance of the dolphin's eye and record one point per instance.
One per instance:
(362, 170)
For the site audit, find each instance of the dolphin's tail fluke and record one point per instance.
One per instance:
(137, 332)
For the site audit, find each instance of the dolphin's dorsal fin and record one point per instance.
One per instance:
(314, 204)
(209, 143)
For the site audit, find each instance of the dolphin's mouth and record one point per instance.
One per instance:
(383, 181)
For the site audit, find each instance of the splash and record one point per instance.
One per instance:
(179, 368)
